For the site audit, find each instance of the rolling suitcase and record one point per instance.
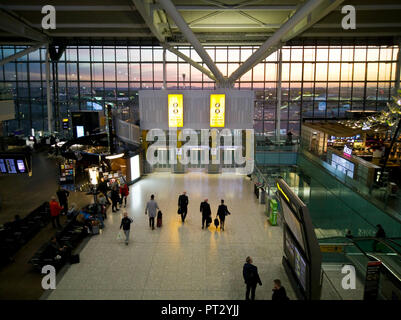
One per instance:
(159, 220)
(95, 230)
(216, 222)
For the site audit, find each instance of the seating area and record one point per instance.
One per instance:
(79, 224)
(15, 234)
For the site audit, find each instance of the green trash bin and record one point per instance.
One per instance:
(273, 212)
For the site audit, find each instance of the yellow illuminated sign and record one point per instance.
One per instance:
(217, 110)
(175, 110)
(282, 192)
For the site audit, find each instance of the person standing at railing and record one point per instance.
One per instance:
(380, 234)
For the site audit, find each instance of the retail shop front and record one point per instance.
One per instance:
(355, 153)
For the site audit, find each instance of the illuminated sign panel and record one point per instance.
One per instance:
(175, 111)
(217, 110)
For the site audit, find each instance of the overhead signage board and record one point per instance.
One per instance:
(18, 163)
(175, 111)
(217, 110)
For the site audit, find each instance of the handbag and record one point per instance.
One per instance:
(179, 210)
(120, 235)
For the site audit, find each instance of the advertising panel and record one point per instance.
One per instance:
(175, 111)
(217, 110)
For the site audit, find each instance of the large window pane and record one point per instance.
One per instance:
(122, 72)
(109, 72)
(296, 72)
(97, 71)
(359, 71)
(84, 72)
(147, 72)
(134, 72)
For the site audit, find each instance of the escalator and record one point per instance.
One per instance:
(358, 252)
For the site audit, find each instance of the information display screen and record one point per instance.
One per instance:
(175, 110)
(293, 223)
(13, 164)
(296, 259)
(217, 110)
(80, 131)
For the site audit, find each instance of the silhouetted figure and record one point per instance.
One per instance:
(206, 213)
(279, 293)
(183, 205)
(251, 277)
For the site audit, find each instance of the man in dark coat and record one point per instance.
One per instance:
(62, 195)
(251, 277)
(222, 211)
(115, 199)
(279, 293)
(183, 205)
(102, 187)
(206, 213)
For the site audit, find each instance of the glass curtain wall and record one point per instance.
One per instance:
(317, 81)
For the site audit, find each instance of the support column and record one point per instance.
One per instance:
(398, 71)
(164, 70)
(278, 107)
(48, 92)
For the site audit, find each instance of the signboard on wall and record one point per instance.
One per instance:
(217, 110)
(175, 111)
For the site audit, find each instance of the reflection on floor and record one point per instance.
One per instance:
(180, 261)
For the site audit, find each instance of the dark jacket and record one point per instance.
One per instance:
(380, 233)
(103, 187)
(115, 195)
(183, 201)
(251, 275)
(280, 294)
(205, 209)
(126, 223)
(62, 195)
(222, 211)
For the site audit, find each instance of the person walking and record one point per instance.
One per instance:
(55, 210)
(151, 208)
(103, 188)
(124, 192)
(279, 293)
(115, 199)
(251, 277)
(183, 205)
(222, 211)
(206, 213)
(63, 195)
(126, 226)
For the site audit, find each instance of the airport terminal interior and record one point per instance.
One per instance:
(197, 150)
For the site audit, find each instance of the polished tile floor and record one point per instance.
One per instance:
(179, 261)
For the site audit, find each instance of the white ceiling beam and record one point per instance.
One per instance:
(302, 19)
(95, 34)
(99, 25)
(23, 7)
(145, 11)
(190, 61)
(168, 6)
